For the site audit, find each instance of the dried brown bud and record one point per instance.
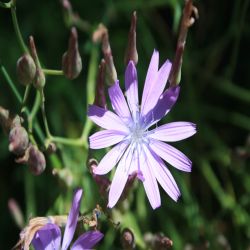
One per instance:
(26, 69)
(127, 239)
(18, 140)
(40, 79)
(71, 61)
(100, 99)
(36, 160)
(131, 52)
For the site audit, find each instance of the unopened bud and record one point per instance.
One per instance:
(71, 61)
(100, 99)
(102, 182)
(26, 69)
(18, 140)
(131, 52)
(111, 75)
(40, 79)
(36, 161)
(127, 239)
(51, 148)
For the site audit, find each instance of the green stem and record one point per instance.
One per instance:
(26, 94)
(82, 141)
(91, 82)
(24, 109)
(11, 84)
(17, 29)
(45, 121)
(29, 195)
(68, 141)
(52, 72)
(33, 112)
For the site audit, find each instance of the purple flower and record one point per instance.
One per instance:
(138, 148)
(49, 236)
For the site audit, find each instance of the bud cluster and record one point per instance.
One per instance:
(19, 143)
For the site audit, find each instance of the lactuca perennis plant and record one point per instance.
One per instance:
(139, 149)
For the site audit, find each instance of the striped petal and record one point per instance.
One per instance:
(111, 159)
(118, 101)
(171, 155)
(120, 178)
(72, 220)
(157, 87)
(163, 106)
(150, 78)
(105, 138)
(106, 119)
(87, 240)
(149, 182)
(163, 175)
(174, 131)
(131, 85)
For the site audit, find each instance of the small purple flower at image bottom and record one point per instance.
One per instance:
(139, 149)
(49, 236)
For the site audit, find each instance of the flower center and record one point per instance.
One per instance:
(137, 133)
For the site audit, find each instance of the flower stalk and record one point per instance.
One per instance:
(186, 22)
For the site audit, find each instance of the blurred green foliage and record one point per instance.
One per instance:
(215, 95)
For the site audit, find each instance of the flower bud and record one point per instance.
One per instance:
(26, 69)
(18, 140)
(131, 52)
(100, 99)
(36, 161)
(51, 148)
(127, 239)
(71, 61)
(102, 182)
(101, 35)
(111, 75)
(40, 79)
